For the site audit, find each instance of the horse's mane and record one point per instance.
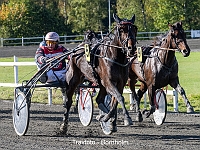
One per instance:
(159, 39)
(90, 36)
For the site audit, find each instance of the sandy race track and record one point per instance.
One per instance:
(180, 131)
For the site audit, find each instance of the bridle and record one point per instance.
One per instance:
(131, 35)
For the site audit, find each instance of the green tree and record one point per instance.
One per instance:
(154, 15)
(140, 8)
(31, 18)
(87, 14)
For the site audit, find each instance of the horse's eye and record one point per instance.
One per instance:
(179, 41)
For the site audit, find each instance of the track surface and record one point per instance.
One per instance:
(180, 131)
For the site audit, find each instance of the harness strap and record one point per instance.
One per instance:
(106, 58)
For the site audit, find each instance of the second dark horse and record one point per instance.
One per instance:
(160, 68)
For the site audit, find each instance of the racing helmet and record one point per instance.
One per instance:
(52, 36)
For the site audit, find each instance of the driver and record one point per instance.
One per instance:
(49, 49)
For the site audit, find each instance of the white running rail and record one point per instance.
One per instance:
(15, 64)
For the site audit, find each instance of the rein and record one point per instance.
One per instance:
(110, 60)
(120, 47)
(112, 46)
(170, 49)
(124, 41)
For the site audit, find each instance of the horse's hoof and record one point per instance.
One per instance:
(113, 128)
(148, 114)
(151, 111)
(132, 107)
(190, 109)
(63, 128)
(139, 117)
(128, 122)
(106, 118)
(144, 112)
(99, 117)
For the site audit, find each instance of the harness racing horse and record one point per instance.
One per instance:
(159, 68)
(108, 68)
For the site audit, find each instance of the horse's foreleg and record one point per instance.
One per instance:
(102, 107)
(151, 94)
(63, 127)
(181, 91)
(114, 122)
(114, 92)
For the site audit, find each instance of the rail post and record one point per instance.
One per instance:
(22, 41)
(50, 95)
(175, 100)
(65, 39)
(15, 71)
(1, 42)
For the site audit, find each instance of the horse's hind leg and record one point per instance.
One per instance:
(140, 93)
(63, 127)
(133, 103)
(73, 80)
(181, 91)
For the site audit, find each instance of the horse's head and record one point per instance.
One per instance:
(90, 36)
(126, 32)
(179, 38)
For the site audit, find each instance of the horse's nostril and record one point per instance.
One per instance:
(185, 51)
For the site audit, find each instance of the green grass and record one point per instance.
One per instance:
(189, 77)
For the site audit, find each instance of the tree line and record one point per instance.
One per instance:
(30, 18)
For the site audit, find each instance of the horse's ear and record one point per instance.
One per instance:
(133, 19)
(180, 24)
(169, 25)
(116, 18)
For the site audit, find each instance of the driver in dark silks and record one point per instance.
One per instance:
(49, 49)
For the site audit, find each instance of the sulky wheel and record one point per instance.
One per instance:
(161, 107)
(20, 113)
(85, 107)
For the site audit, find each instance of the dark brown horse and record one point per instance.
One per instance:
(108, 67)
(159, 68)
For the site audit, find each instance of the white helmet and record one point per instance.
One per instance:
(52, 36)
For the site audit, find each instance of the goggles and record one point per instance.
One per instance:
(51, 42)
